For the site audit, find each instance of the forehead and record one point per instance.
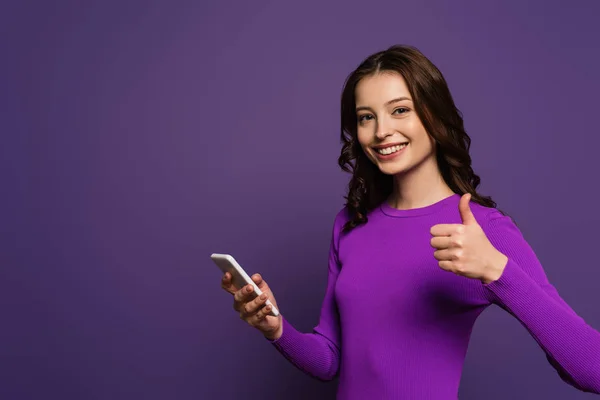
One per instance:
(380, 88)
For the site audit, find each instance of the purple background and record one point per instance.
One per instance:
(139, 137)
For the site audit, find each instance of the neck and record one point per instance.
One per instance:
(419, 187)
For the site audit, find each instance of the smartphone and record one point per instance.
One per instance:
(227, 263)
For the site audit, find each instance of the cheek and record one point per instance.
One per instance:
(419, 137)
(364, 138)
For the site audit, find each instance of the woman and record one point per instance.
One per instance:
(417, 254)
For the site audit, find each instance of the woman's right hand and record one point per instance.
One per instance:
(254, 311)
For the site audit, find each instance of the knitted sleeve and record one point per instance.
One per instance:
(317, 353)
(571, 345)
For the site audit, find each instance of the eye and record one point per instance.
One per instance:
(364, 118)
(400, 110)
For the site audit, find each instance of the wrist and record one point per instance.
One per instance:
(495, 268)
(274, 335)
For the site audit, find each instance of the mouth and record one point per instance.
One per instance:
(387, 150)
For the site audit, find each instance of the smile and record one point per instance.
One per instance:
(392, 149)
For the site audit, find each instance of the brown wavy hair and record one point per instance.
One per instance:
(368, 186)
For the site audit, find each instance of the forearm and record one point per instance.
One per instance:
(571, 345)
(312, 353)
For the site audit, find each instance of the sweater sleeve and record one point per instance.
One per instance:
(571, 346)
(317, 353)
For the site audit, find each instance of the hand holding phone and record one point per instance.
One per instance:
(253, 298)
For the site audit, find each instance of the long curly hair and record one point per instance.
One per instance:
(368, 186)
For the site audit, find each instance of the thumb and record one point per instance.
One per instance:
(260, 282)
(466, 215)
(257, 278)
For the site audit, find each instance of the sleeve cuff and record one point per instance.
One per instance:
(514, 288)
(286, 332)
(512, 284)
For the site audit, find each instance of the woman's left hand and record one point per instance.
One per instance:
(465, 250)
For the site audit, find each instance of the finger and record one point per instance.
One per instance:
(466, 214)
(244, 294)
(227, 284)
(444, 255)
(441, 242)
(254, 305)
(446, 265)
(447, 242)
(262, 313)
(447, 229)
(262, 285)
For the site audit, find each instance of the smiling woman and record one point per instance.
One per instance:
(391, 99)
(390, 133)
(416, 254)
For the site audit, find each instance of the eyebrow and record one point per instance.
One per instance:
(387, 103)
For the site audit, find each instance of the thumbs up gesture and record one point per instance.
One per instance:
(465, 250)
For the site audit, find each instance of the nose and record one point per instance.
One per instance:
(384, 129)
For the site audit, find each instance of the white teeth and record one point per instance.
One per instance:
(390, 150)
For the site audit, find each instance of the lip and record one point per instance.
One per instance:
(387, 157)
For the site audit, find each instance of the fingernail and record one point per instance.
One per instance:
(249, 289)
(263, 296)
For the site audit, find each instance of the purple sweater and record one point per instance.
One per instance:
(394, 325)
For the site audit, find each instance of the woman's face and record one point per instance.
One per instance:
(389, 129)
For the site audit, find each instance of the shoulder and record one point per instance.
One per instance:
(502, 231)
(504, 234)
(492, 219)
(341, 218)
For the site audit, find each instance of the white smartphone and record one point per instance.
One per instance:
(227, 263)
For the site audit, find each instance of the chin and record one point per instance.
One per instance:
(388, 169)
